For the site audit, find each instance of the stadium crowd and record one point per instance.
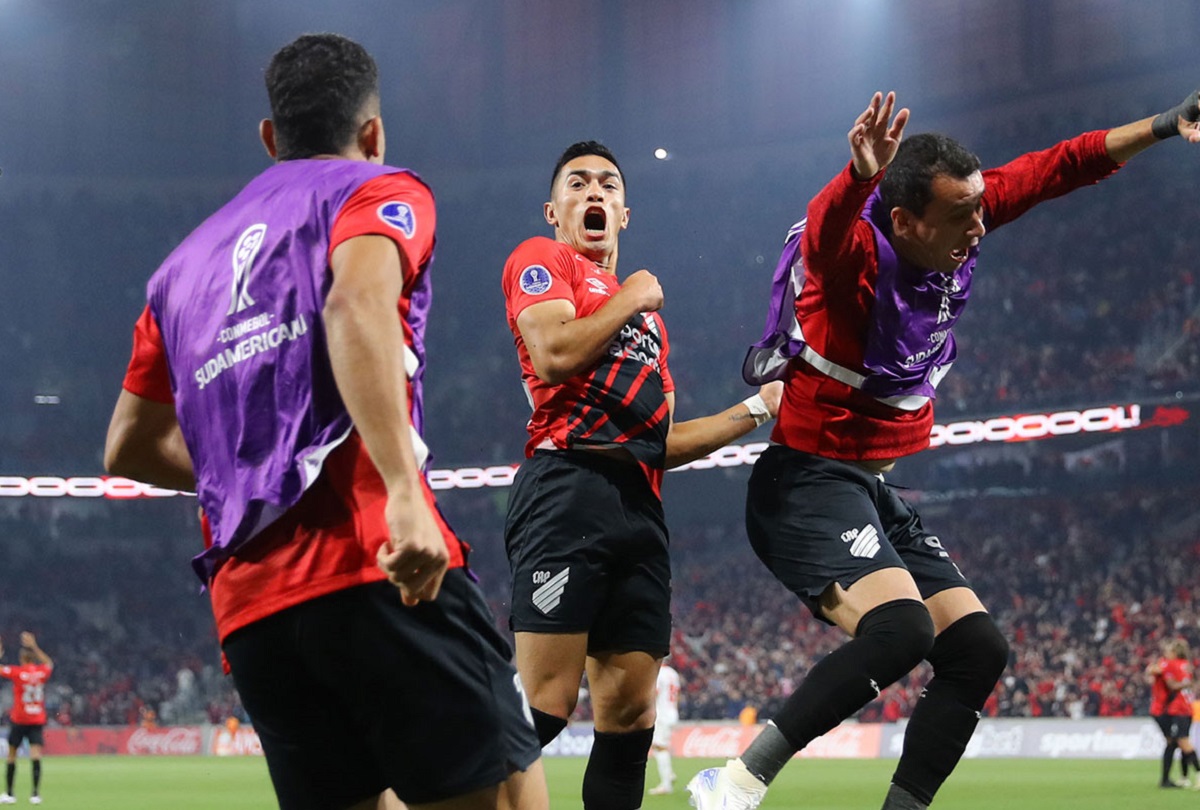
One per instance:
(1086, 587)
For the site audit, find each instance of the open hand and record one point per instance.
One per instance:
(873, 143)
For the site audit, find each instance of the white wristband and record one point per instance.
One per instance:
(758, 409)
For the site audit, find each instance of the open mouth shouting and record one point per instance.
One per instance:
(595, 221)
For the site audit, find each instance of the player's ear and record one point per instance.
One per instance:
(266, 133)
(624, 218)
(371, 139)
(902, 221)
(549, 214)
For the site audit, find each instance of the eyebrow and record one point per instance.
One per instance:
(603, 174)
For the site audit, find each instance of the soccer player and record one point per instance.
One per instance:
(666, 710)
(1171, 707)
(585, 535)
(864, 303)
(277, 372)
(28, 716)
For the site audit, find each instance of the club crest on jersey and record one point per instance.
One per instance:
(245, 250)
(400, 216)
(535, 279)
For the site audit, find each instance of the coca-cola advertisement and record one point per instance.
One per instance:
(173, 741)
(848, 741)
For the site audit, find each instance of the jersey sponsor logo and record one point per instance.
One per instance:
(640, 341)
(245, 250)
(400, 216)
(535, 279)
(863, 542)
(547, 597)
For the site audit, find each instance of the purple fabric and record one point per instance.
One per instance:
(239, 304)
(909, 337)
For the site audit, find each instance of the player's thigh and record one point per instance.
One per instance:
(313, 759)
(622, 690)
(439, 702)
(815, 525)
(635, 610)
(946, 591)
(560, 517)
(551, 667)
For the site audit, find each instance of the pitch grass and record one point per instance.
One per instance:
(211, 783)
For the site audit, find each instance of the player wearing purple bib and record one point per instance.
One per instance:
(860, 329)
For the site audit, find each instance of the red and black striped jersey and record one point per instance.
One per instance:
(619, 402)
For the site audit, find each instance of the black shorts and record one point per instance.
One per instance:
(587, 546)
(1174, 726)
(815, 521)
(19, 733)
(353, 693)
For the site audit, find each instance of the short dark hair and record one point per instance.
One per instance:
(319, 86)
(909, 179)
(579, 150)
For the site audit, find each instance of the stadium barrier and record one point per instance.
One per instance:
(996, 738)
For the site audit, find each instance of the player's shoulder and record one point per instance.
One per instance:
(537, 248)
(536, 261)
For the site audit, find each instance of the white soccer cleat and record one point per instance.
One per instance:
(6, 798)
(712, 789)
(662, 790)
(35, 799)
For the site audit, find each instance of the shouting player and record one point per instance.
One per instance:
(585, 534)
(277, 371)
(28, 712)
(864, 304)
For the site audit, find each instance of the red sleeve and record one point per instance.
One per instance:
(663, 370)
(835, 237)
(398, 206)
(540, 269)
(1015, 187)
(6, 671)
(148, 376)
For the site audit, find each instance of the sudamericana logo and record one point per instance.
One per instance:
(244, 252)
(400, 216)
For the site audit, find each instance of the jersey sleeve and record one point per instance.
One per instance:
(148, 375)
(664, 369)
(6, 671)
(1017, 186)
(398, 206)
(538, 270)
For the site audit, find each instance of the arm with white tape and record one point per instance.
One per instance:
(696, 438)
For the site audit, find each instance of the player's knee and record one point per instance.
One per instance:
(547, 726)
(971, 652)
(900, 633)
(624, 713)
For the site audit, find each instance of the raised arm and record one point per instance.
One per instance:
(366, 349)
(561, 345)
(145, 443)
(30, 643)
(696, 438)
(1124, 142)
